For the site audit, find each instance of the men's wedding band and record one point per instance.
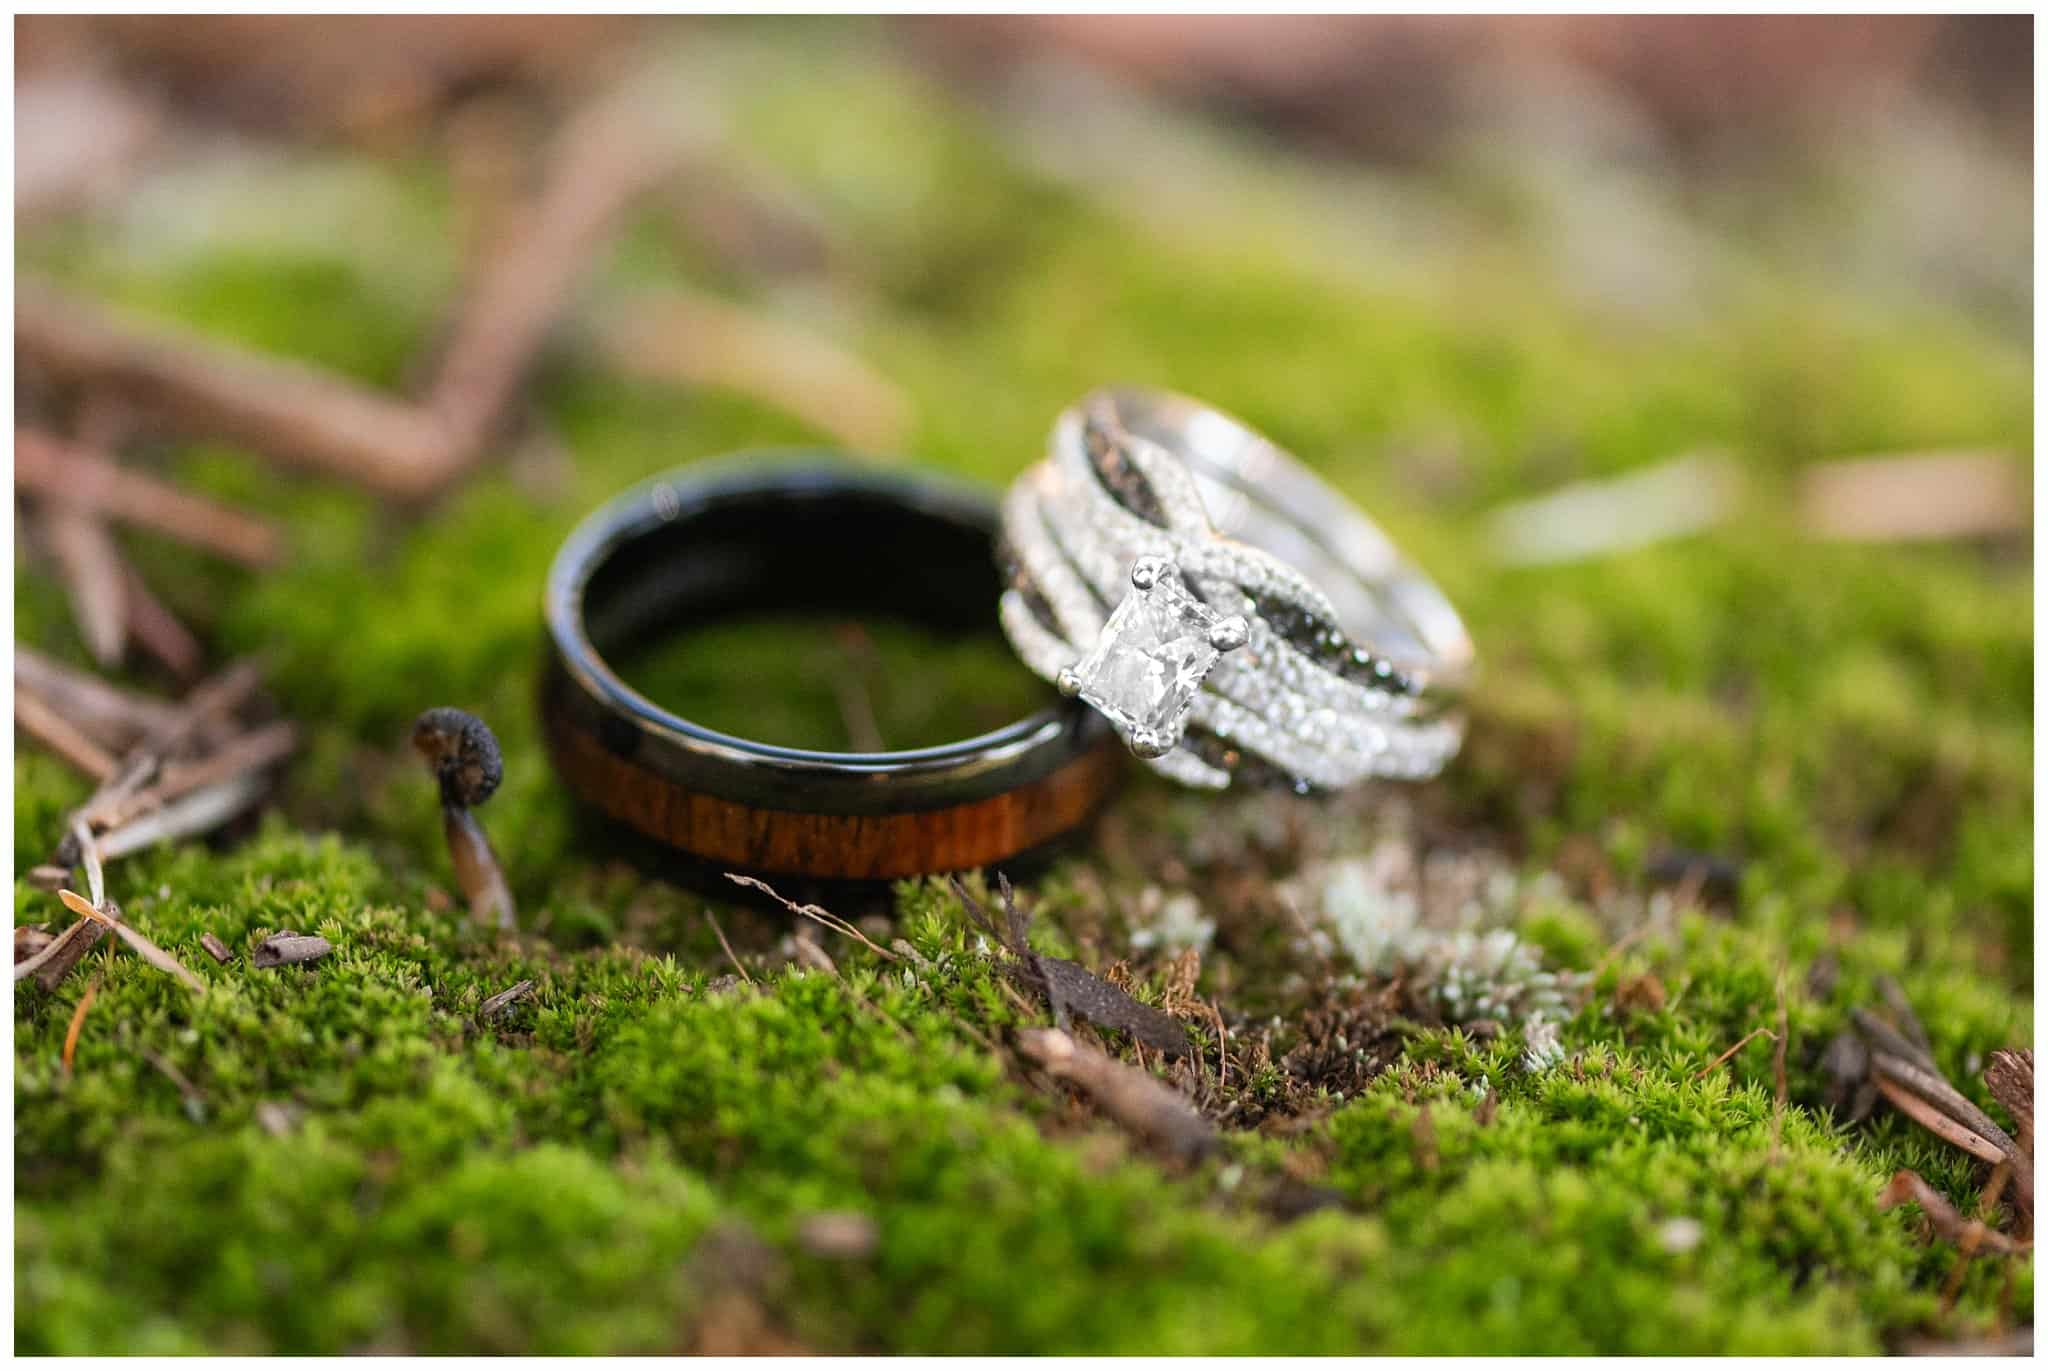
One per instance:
(803, 532)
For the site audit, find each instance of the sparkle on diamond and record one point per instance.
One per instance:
(1151, 658)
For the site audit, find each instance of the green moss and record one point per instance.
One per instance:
(1851, 727)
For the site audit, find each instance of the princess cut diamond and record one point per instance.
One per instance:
(1151, 658)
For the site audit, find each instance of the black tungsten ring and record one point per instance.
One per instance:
(799, 531)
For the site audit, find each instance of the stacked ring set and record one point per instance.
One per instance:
(1201, 600)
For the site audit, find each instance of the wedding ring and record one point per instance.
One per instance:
(1231, 615)
(793, 532)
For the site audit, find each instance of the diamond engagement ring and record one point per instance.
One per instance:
(1232, 616)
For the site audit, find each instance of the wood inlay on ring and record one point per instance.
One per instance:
(836, 846)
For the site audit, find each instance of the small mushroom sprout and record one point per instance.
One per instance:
(463, 755)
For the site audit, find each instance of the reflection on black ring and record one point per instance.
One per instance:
(766, 531)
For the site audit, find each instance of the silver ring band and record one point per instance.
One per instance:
(1233, 616)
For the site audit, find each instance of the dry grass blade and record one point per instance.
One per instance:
(76, 476)
(157, 957)
(815, 913)
(89, 854)
(730, 955)
(1744, 1041)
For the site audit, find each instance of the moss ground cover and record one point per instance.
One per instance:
(626, 1160)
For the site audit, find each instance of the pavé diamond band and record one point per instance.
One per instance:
(1230, 614)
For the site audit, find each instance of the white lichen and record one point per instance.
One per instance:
(1372, 907)
(1172, 923)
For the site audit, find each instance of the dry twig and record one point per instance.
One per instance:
(289, 411)
(1133, 1098)
(503, 1000)
(74, 475)
(57, 957)
(605, 158)
(208, 703)
(253, 751)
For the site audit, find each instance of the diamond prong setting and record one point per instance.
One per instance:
(1146, 571)
(1151, 658)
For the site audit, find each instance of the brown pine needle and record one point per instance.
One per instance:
(1936, 1122)
(1743, 1042)
(44, 724)
(1973, 1235)
(78, 1018)
(90, 562)
(144, 948)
